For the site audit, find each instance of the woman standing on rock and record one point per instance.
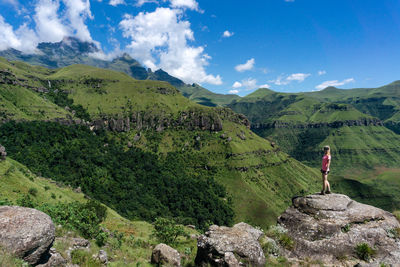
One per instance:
(326, 162)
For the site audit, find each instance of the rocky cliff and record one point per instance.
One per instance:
(335, 229)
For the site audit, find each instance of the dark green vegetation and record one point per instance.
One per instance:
(150, 126)
(350, 121)
(128, 243)
(364, 251)
(135, 183)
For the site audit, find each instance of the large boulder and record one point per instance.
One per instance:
(164, 255)
(230, 246)
(328, 228)
(25, 232)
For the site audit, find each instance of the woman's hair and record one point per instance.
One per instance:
(327, 150)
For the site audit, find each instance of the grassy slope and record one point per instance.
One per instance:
(16, 180)
(261, 179)
(364, 146)
(205, 97)
(17, 102)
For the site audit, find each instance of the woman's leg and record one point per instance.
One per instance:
(323, 184)
(327, 185)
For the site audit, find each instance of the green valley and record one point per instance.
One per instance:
(149, 123)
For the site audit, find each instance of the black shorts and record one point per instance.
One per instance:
(324, 172)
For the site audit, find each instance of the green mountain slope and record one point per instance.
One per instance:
(153, 118)
(303, 123)
(71, 51)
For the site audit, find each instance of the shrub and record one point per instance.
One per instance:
(26, 201)
(83, 217)
(286, 241)
(46, 187)
(53, 196)
(166, 231)
(83, 258)
(364, 251)
(33, 191)
(101, 238)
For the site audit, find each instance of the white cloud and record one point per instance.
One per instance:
(321, 72)
(300, 77)
(233, 91)
(49, 26)
(189, 4)
(77, 12)
(264, 86)
(227, 34)
(284, 80)
(246, 66)
(237, 85)
(142, 2)
(160, 39)
(250, 84)
(334, 83)
(116, 2)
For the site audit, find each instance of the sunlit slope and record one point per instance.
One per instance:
(18, 99)
(259, 177)
(302, 125)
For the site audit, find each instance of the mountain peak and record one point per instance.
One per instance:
(68, 45)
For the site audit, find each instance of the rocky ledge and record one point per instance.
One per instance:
(329, 228)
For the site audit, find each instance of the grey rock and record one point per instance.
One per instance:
(328, 227)
(27, 233)
(165, 255)
(80, 243)
(102, 256)
(220, 244)
(3, 153)
(55, 260)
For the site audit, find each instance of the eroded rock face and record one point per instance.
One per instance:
(228, 246)
(329, 227)
(3, 153)
(164, 255)
(27, 233)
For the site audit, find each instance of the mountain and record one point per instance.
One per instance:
(348, 120)
(144, 149)
(71, 51)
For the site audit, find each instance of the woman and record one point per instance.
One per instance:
(326, 162)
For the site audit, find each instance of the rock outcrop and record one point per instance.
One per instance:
(328, 228)
(25, 232)
(164, 255)
(230, 246)
(3, 153)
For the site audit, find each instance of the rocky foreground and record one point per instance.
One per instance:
(329, 229)
(332, 230)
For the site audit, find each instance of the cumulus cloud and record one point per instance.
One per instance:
(284, 80)
(49, 26)
(246, 66)
(237, 85)
(234, 91)
(189, 4)
(77, 12)
(227, 34)
(334, 83)
(160, 39)
(321, 72)
(117, 2)
(300, 77)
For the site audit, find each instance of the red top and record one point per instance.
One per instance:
(325, 160)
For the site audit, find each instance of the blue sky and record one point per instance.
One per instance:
(226, 45)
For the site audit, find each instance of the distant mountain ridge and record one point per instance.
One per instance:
(71, 51)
